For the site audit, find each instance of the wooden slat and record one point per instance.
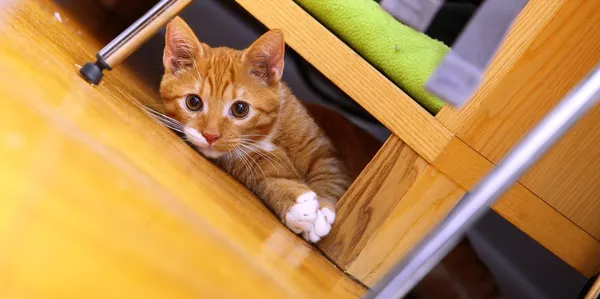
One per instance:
(550, 47)
(351, 73)
(427, 201)
(567, 177)
(371, 199)
(525, 210)
(101, 201)
(448, 154)
(551, 51)
(411, 213)
(532, 20)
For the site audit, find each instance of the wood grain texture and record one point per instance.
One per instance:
(532, 20)
(449, 155)
(525, 210)
(556, 60)
(425, 203)
(567, 177)
(550, 47)
(101, 201)
(562, 48)
(352, 74)
(370, 200)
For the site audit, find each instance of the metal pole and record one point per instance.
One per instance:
(132, 38)
(430, 251)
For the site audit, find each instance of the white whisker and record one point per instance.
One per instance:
(253, 143)
(164, 119)
(247, 166)
(262, 155)
(255, 163)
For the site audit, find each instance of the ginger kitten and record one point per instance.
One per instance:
(236, 111)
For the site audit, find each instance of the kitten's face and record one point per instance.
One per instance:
(227, 100)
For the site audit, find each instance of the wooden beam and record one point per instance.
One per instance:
(399, 198)
(371, 199)
(413, 125)
(424, 204)
(355, 76)
(551, 49)
(525, 210)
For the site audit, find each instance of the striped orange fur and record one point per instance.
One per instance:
(251, 124)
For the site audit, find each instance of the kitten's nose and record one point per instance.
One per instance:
(211, 137)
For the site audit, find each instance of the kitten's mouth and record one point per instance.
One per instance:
(199, 142)
(210, 153)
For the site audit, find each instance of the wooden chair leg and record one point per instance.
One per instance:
(394, 202)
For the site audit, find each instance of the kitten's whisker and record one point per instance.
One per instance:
(261, 151)
(171, 125)
(175, 128)
(169, 122)
(255, 163)
(262, 155)
(246, 165)
(165, 120)
(253, 143)
(163, 116)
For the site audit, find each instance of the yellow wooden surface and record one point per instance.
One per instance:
(427, 202)
(100, 201)
(370, 200)
(551, 49)
(448, 153)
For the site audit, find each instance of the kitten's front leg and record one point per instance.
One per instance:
(326, 175)
(297, 206)
(285, 193)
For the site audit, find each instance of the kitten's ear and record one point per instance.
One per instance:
(265, 56)
(181, 46)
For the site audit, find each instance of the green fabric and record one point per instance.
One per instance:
(403, 54)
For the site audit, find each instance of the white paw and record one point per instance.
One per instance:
(329, 215)
(305, 218)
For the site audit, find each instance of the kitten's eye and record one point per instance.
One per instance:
(193, 102)
(240, 109)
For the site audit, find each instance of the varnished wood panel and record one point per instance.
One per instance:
(561, 48)
(425, 203)
(568, 177)
(411, 212)
(447, 153)
(532, 20)
(352, 74)
(526, 211)
(101, 201)
(371, 199)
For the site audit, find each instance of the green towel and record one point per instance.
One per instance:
(403, 54)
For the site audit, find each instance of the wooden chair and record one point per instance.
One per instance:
(429, 162)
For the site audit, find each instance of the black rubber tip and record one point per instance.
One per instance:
(92, 72)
